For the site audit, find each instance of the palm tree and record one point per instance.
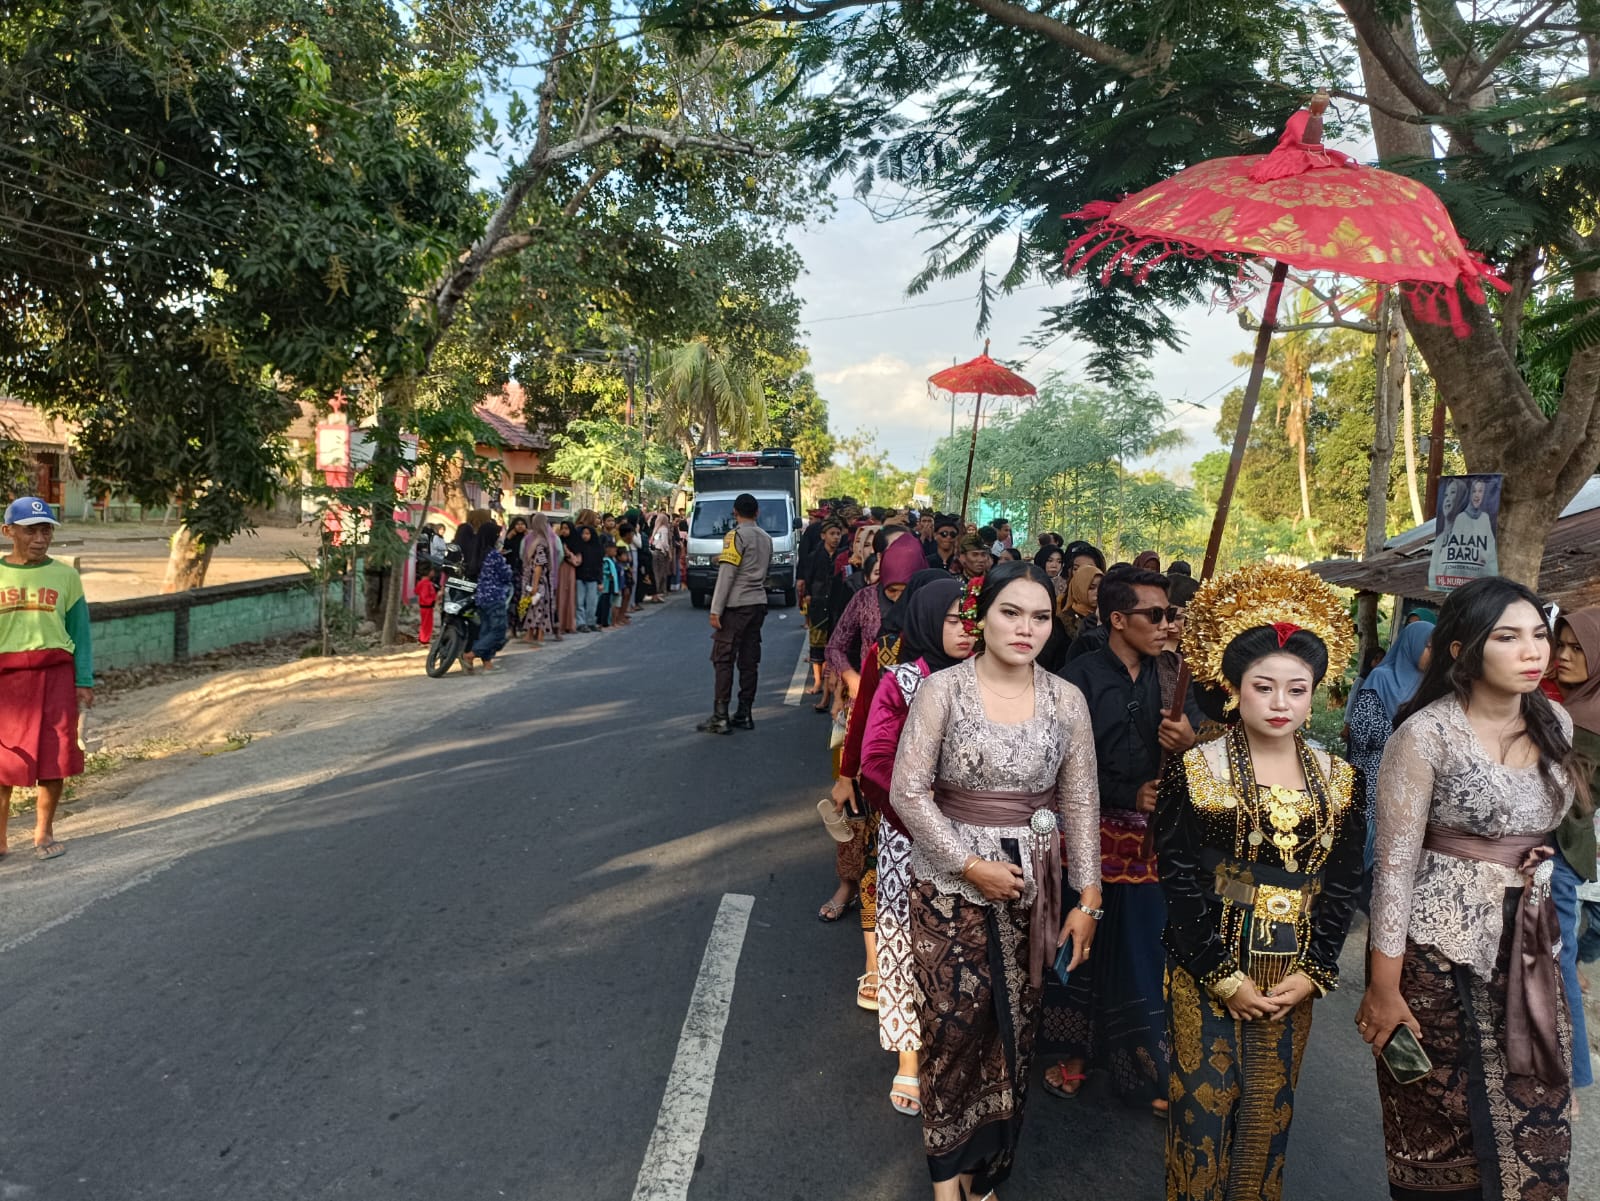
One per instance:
(706, 395)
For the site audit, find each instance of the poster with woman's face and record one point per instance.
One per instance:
(1466, 531)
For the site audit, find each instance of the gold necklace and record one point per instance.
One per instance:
(1003, 696)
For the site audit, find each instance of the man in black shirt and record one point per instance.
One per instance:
(946, 530)
(1114, 1010)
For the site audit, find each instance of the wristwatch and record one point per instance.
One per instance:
(1097, 914)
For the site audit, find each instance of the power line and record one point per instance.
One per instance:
(929, 304)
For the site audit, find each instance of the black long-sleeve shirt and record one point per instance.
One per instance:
(1127, 718)
(1195, 828)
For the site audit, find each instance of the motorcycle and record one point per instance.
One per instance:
(458, 624)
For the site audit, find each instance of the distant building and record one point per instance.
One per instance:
(522, 454)
(49, 449)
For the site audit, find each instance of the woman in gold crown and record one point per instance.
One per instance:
(1259, 839)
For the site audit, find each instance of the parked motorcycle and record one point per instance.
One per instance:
(457, 628)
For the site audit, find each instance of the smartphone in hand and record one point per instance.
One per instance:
(1404, 1057)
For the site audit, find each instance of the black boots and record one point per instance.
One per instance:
(742, 718)
(717, 723)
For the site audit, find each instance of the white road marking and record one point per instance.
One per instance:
(669, 1160)
(802, 675)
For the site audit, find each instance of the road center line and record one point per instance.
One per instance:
(675, 1145)
(802, 674)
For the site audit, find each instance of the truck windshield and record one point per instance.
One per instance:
(714, 518)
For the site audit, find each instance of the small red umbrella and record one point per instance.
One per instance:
(1301, 206)
(982, 377)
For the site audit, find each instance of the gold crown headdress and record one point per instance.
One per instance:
(1263, 594)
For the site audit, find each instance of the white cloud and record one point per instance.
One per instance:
(873, 347)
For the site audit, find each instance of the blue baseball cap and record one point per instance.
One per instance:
(29, 510)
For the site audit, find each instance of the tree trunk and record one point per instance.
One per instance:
(186, 565)
(1545, 460)
(1408, 418)
(1379, 466)
(1305, 496)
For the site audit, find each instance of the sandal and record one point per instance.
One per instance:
(1158, 1109)
(862, 987)
(903, 1101)
(49, 850)
(832, 911)
(1059, 1086)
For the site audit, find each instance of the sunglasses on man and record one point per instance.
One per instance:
(944, 533)
(1156, 615)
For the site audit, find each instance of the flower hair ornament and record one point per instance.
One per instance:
(1285, 599)
(969, 605)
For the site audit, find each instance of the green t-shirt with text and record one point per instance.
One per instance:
(42, 609)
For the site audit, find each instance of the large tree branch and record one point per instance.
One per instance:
(812, 10)
(1066, 35)
(1510, 42)
(1373, 29)
(498, 241)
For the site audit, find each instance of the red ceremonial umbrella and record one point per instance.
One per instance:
(1301, 206)
(984, 377)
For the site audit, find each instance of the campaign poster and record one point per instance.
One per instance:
(1466, 535)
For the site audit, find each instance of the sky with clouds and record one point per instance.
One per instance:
(873, 347)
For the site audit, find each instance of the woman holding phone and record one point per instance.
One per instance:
(1463, 1001)
(1259, 838)
(996, 753)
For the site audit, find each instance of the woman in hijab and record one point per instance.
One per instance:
(538, 583)
(1577, 659)
(854, 648)
(566, 580)
(661, 556)
(934, 637)
(1388, 687)
(1078, 612)
(859, 624)
(1147, 560)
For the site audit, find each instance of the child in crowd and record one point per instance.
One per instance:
(427, 596)
(610, 586)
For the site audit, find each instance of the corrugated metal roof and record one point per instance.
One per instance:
(1569, 573)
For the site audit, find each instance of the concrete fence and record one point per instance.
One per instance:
(170, 629)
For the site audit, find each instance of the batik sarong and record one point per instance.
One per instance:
(978, 1016)
(898, 1027)
(1231, 1096)
(1470, 1129)
(1110, 1013)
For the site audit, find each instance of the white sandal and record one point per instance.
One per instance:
(861, 984)
(904, 1102)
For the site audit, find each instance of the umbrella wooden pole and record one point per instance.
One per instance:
(972, 451)
(1247, 412)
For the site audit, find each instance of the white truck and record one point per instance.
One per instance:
(771, 476)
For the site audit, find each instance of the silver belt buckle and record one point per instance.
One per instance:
(1043, 822)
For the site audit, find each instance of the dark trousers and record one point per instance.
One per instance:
(738, 641)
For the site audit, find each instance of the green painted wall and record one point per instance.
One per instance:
(149, 630)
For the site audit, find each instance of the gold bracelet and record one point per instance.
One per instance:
(1224, 988)
(967, 866)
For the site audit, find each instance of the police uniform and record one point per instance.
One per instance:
(740, 600)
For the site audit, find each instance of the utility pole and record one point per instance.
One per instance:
(630, 372)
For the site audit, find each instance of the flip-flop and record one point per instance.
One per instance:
(1056, 1090)
(903, 1101)
(49, 850)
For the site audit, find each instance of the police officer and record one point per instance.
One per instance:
(738, 607)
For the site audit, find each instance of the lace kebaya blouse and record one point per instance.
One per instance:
(948, 737)
(1435, 770)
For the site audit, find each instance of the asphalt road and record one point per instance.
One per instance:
(463, 969)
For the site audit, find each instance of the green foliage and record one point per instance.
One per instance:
(861, 469)
(617, 459)
(1063, 463)
(201, 222)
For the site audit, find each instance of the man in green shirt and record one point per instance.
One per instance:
(46, 669)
